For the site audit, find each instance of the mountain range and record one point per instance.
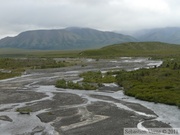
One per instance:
(166, 35)
(75, 38)
(64, 39)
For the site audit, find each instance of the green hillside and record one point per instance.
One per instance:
(150, 49)
(137, 49)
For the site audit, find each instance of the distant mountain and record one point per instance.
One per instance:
(167, 35)
(64, 39)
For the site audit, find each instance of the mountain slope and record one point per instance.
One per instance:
(64, 39)
(138, 49)
(167, 35)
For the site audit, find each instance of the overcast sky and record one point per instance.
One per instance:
(120, 15)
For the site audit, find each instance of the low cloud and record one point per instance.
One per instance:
(122, 15)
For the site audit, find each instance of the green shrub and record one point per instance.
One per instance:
(61, 83)
(159, 85)
(24, 110)
(88, 86)
(97, 77)
(71, 85)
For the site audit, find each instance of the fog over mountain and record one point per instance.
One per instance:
(167, 35)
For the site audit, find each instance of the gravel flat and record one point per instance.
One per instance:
(56, 111)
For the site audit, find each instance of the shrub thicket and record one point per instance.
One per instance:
(159, 85)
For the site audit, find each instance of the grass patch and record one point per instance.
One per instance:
(135, 49)
(22, 53)
(35, 63)
(8, 75)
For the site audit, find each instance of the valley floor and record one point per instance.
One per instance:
(47, 110)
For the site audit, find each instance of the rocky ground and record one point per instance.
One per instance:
(31, 105)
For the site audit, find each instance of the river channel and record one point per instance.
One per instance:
(56, 111)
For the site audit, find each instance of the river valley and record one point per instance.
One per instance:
(56, 111)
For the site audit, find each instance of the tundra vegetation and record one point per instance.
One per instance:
(131, 49)
(135, 49)
(10, 67)
(159, 84)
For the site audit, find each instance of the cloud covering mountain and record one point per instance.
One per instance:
(21, 15)
(167, 35)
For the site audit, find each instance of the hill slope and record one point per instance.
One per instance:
(135, 49)
(64, 39)
(167, 35)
